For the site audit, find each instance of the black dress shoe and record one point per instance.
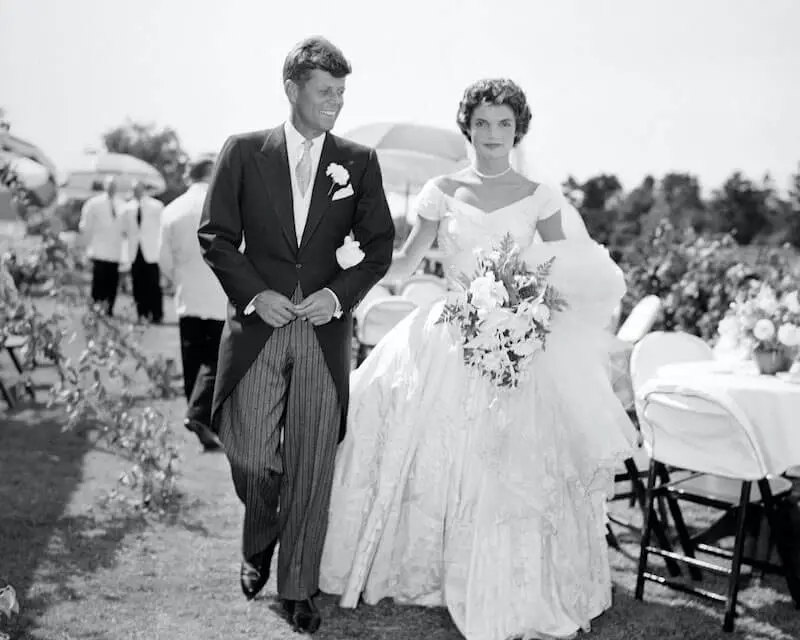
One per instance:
(303, 614)
(255, 571)
(207, 437)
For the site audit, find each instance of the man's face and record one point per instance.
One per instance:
(317, 102)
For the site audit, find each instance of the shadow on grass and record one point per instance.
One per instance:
(51, 528)
(40, 542)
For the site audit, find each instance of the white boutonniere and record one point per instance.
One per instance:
(339, 177)
(350, 253)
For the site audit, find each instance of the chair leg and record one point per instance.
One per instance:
(7, 395)
(680, 525)
(15, 360)
(736, 563)
(637, 486)
(649, 515)
(611, 538)
(783, 542)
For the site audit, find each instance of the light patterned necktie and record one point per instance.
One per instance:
(303, 168)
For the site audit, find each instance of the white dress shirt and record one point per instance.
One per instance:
(198, 293)
(105, 232)
(294, 151)
(148, 232)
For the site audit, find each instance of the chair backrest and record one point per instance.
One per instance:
(641, 319)
(700, 431)
(380, 317)
(686, 427)
(421, 277)
(424, 292)
(378, 292)
(660, 348)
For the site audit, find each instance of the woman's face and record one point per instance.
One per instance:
(492, 130)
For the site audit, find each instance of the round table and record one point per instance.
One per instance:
(771, 403)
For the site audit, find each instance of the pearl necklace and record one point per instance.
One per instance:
(495, 175)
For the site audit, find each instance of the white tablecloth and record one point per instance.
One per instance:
(771, 403)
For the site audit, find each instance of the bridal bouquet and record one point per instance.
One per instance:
(503, 312)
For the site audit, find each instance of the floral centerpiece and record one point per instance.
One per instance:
(503, 312)
(768, 324)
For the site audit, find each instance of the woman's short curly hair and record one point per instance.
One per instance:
(496, 91)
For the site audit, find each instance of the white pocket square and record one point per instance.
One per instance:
(343, 193)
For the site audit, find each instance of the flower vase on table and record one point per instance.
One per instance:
(767, 322)
(771, 361)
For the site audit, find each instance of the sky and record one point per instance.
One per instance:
(630, 87)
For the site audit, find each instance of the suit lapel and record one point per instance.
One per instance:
(320, 200)
(273, 164)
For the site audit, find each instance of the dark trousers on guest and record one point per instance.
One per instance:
(147, 294)
(199, 352)
(105, 282)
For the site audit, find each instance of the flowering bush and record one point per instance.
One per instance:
(762, 320)
(503, 313)
(96, 388)
(698, 277)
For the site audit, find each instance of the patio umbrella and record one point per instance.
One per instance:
(33, 168)
(411, 154)
(93, 167)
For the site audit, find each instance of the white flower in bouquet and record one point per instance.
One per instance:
(487, 293)
(541, 313)
(788, 335)
(764, 330)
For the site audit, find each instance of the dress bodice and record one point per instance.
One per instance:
(463, 227)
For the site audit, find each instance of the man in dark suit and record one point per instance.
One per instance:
(279, 216)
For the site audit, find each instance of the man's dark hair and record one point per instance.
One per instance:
(314, 53)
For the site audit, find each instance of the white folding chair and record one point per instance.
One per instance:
(379, 318)
(651, 352)
(659, 348)
(422, 288)
(378, 292)
(640, 320)
(712, 438)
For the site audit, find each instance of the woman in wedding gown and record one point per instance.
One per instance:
(447, 492)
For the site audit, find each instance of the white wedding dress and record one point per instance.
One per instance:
(447, 492)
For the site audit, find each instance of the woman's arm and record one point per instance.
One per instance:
(408, 258)
(550, 228)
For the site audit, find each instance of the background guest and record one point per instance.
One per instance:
(199, 299)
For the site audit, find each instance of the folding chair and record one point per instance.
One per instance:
(10, 344)
(379, 318)
(712, 438)
(423, 289)
(652, 351)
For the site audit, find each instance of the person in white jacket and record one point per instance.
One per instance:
(200, 302)
(106, 228)
(145, 273)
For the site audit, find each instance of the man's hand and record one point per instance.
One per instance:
(318, 308)
(274, 308)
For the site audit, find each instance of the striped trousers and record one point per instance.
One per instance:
(280, 429)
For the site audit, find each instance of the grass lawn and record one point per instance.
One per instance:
(82, 572)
